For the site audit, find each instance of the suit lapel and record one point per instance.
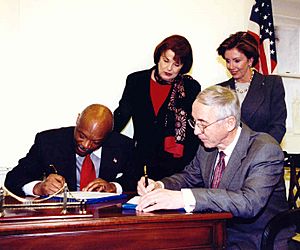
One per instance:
(254, 98)
(207, 172)
(238, 154)
(71, 168)
(110, 162)
(148, 101)
(70, 162)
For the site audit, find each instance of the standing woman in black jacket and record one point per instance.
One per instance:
(261, 97)
(159, 101)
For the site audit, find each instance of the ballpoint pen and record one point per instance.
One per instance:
(52, 166)
(146, 176)
(54, 169)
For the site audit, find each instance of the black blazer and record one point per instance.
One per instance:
(264, 108)
(149, 130)
(57, 147)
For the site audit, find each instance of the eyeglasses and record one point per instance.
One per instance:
(202, 128)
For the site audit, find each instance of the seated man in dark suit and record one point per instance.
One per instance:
(235, 170)
(76, 155)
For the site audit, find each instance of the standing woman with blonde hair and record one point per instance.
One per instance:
(261, 97)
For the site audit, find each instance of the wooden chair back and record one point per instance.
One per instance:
(292, 162)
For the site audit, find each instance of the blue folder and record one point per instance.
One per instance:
(92, 200)
(128, 206)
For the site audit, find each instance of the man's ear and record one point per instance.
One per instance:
(231, 121)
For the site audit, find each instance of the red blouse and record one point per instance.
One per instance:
(159, 94)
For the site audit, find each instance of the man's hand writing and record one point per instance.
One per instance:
(52, 184)
(100, 185)
(160, 199)
(142, 189)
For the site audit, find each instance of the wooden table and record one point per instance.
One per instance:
(108, 226)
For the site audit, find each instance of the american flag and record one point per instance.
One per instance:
(261, 26)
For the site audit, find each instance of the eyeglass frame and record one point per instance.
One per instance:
(202, 128)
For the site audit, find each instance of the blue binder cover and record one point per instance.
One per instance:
(89, 197)
(132, 203)
(129, 206)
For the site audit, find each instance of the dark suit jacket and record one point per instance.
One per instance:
(264, 108)
(57, 147)
(149, 130)
(252, 186)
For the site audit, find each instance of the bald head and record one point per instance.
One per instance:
(97, 115)
(92, 127)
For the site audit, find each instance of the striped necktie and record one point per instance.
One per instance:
(218, 170)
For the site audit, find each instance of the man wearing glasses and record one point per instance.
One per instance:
(235, 170)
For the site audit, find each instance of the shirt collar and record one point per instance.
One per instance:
(228, 151)
(97, 153)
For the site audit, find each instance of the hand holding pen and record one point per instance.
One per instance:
(141, 187)
(51, 184)
(145, 185)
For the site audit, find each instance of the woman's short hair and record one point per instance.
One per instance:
(223, 100)
(243, 42)
(182, 49)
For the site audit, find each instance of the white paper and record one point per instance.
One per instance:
(134, 200)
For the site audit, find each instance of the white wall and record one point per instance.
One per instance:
(58, 56)
(287, 21)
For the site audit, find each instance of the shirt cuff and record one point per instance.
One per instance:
(28, 188)
(162, 185)
(119, 189)
(188, 199)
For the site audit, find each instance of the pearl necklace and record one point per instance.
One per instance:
(240, 90)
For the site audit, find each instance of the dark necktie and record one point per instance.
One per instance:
(87, 173)
(218, 170)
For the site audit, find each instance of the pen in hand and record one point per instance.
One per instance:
(58, 179)
(52, 166)
(146, 176)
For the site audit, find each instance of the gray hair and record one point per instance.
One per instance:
(224, 101)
